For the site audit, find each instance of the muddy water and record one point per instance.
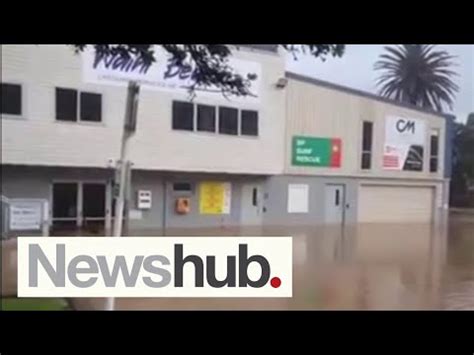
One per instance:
(360, 267)
(357, 267)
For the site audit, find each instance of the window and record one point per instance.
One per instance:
(91, 107)
(188, 116)
(254, 196)
(183, 114)
(206, 118)
(367, 132)
(11, 99)
(182, 186)
(249, 123)
(228, 120)
(66, 104)
(73, 106)
(434, 151)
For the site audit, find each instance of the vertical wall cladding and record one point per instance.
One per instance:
(324, 111)
(21, 182)
(155, 146)
(441, 200)
(276, 200)
(36, 182)
(25, 182)
(163, 214)
(194, 218)
(37, 138)
(146, 219)
(448, 155)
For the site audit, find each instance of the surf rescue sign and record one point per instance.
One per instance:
(316, 151)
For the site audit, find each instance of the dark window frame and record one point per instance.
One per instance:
(178, 186)
(337, 197)
(78, 113)
(241, 123)
(182, 188)
(434, 151)
(254, 196)
(22, 101)
(367, 144)
(80, 108)
(57, 91)
(216, 117)
(174, 124)
(220, 129)
(193, 124)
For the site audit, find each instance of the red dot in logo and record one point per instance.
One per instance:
(275, 282)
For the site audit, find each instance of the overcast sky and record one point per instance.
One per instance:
(355, 69)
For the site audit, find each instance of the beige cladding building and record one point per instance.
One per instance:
(378, 192)
(303, 153)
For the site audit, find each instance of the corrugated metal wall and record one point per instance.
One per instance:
(318, 111)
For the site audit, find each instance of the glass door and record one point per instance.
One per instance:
(65, 202)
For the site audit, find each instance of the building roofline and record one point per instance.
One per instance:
(329, 85)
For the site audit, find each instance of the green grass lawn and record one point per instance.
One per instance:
(34, 304)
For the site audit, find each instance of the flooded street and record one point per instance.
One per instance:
(364, 267)
(361, 267)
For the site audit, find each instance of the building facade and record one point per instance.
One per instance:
(392, 162)
(303, 152)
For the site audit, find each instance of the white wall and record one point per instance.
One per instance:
(38, 139)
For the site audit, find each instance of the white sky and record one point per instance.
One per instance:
(355, 69)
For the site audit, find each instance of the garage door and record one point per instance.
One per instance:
(395, 203)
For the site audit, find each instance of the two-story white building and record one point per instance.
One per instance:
(61, 136)
(307, 152)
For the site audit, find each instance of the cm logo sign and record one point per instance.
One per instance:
(403, 125)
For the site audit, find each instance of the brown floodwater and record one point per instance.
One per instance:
(363, 267)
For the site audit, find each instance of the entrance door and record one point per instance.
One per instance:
(79, 205)
(93, 205)
(334, 204)
(251, 205)
(65, 202)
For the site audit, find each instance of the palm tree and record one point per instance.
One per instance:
(417, 74)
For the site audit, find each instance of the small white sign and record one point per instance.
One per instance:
(144, 199)
(25, 215)
(298, 198)
(401, 130)
(227, 198)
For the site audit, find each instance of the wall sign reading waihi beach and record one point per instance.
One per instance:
(164, 74)
(314, 151)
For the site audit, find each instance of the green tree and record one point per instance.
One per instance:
(470, 120)
(417, 74)
(463, 162)
(210, 61)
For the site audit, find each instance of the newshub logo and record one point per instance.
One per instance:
(155, 267)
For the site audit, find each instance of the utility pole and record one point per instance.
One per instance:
(124, 165)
